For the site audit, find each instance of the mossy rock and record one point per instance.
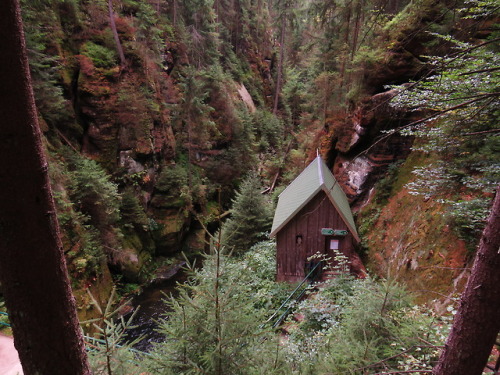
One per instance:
(130, 262)
(196, 241)
(171, 228)
(140, 240)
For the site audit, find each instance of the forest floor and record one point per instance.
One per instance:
(9, 359)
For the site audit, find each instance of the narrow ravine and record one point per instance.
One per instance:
(151, 308)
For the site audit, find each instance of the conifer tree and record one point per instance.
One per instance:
(200, 27)
(214, 327)
(250, 217)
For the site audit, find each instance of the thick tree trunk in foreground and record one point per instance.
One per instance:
(477, 322)
(32, 266)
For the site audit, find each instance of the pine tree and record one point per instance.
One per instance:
(250, 217)
(214, 327)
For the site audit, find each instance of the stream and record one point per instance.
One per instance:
(151, 309)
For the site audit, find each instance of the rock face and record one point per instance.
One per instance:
(410, 240)
(247, 98)
(360, 149)
(167, 133)
(405, 238)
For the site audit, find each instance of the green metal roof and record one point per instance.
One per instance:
(313, 179)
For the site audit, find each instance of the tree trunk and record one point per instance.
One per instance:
(344, 57)
(280, 66)
(217, 14)
(119, 47)
(32, 265)
(477, 322)
(356, 31)
(174, 13)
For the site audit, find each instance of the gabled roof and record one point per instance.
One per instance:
(311, 181)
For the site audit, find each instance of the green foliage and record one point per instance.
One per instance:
(131, 211)
(360, 326)
(101, 56)
(41, 34)
(88, 252)
(230, 61)
(469, 218)
(108, 355)
(295, 92)
(408, 18)
(385, 185)
(4, 319)
(250, 217)
(258, 277)
(268, 130)
(192, 120)
(172, 185)
(92, 190)
(368, 220)
(88, 209)
(172, 179)
(214, 326)
(346, 325)
(479, 9)
(461, 101)
(198, 32)
(368, 57)
(80, 236)
(149, 30)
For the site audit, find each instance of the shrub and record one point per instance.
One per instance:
(102, 57)
(93, 192)
(172, 179)
(385, 185)
(469, 218)
(361, 326)
(131, 211)
(214, 327)
(269, 130)
(250, 217)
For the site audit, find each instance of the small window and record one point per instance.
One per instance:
(334, 244)
(298, 239)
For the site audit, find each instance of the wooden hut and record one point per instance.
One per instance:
(313, 216)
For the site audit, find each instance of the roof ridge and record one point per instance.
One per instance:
(290, 184)
(320, 171)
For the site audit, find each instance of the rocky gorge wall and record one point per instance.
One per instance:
(405, 237)
(141, 147)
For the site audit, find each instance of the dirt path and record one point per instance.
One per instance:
(9, 360)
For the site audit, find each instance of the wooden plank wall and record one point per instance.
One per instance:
(292, 255)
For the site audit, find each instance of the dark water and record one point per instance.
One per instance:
(152, 308)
